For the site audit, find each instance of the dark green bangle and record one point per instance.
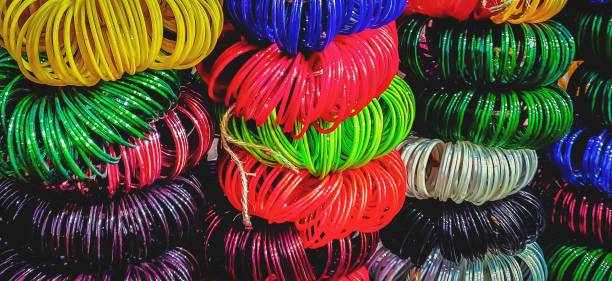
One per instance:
(51, 133)
(510, 119)
(591, 90)
(484, 54)
(372, 133)
(593, 30)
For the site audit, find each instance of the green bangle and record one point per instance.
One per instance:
(527, 119)
(593, 30)
(591, 90)
(484, 54)
(51, 133)
(372, 133)
(569, 261)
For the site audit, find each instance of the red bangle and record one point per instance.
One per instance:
(363, 199)
(177, 142)
(330, 85)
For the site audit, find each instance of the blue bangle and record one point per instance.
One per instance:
(594, 167)
(298, 25)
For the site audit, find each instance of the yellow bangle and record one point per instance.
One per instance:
(68, 42)
(533, 11)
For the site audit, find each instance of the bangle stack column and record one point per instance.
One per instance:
(313, 112)
(576, 189)
(485, 86)
(98, 127)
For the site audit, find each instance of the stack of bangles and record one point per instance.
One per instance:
(364, 199)
(464, 231)
(331, 85)
(527, 265)
(480, 53)
(275, 252)
(464, 171)
(79, 43)
(593, 29)
(309, 25)
(509, 119)
(372, 133)
(98, 234)
(569, 261)
(499, 11)
(578, 210)
(584, 158)
(591, 89)
(174, 264)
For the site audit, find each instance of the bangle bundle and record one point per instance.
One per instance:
(47, 136)
(96, 233)
(584, 158)
(591, 89)
(464, 171)
(190, 131)
(331, 85)
(312, 25)
(174, 264)
(579, 211)
(364, 199)
(527, 265)
(465, 230)
(499, 11)
(78, 43)
(479, 53)
(593, 29)
(567, 260)
(275, 252)
(509, 119)
(372, 133)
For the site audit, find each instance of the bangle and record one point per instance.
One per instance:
(592, 168)
(464, 231)
(527, 265)
(372, 133)
(591, 90)
(97, 233)
(593, 30)
(275, 251)
(499, 11)
(309, 26)
(177, 142)
(316, 206)
(173, 264)
(464, 171)
(529, 119)
(484, 54)
(48, 135)
(583, 212)
(567, 259)
(331, 85)
(58, 43)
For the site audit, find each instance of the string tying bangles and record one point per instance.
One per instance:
(364, 199)
(498, 11)
(591, 90)
(484, 54)
(527, 265)
(275, 251)
(79, 43)
(464, 171)
(464, 231)
(567, 259)
(311, 25)
(584, 157)
(331, 85)
(372, 133)
(529, 119)
(50, 130)
(93, 233)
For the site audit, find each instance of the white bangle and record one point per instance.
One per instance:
(464, 171)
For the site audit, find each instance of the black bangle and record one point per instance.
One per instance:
(464, 230)
(97, 233)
